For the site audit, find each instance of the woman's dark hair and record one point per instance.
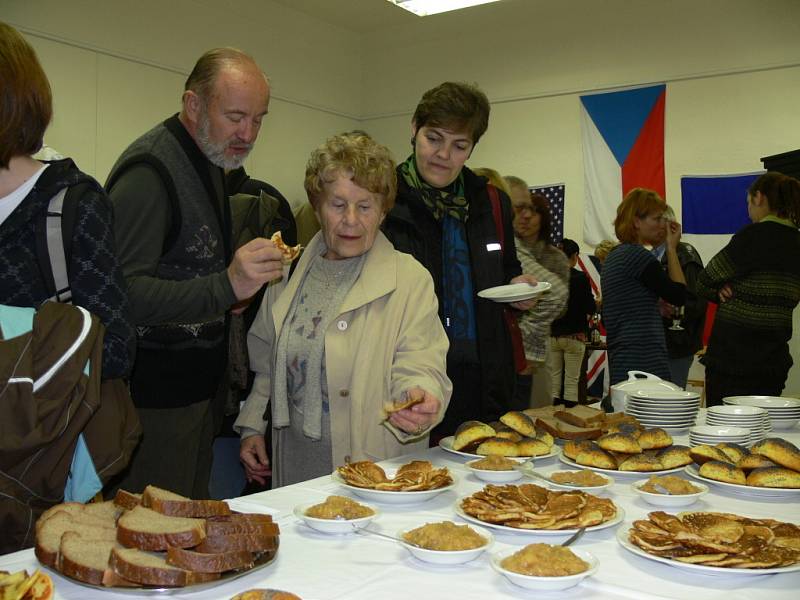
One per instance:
(542, 207)
(782, 192)
(26, 102)
(570, 247)
(454, 106)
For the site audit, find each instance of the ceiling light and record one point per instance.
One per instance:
(431, 7)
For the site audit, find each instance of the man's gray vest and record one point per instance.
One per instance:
(194, 249)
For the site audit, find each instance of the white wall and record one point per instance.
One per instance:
(117, 68)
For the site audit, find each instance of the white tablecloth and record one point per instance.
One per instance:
(323, 567)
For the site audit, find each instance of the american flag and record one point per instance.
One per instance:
(555, 195)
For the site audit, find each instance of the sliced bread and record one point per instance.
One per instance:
(83, 558)
(251, 542)
(169, 503)
(98, 513)
(151, 569)
(147, 529)
(209, 563)
(49, 533)
(218, 527)
(127, 500)
(581, 416)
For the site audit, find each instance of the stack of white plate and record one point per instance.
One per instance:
(784, 413)
(710, 435)
(667, 409)
(750, 417)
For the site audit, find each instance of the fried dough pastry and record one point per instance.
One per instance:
(530, 506)
(415, 476)
(718, 539)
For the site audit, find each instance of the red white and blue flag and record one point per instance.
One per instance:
(597, 373)
(623, 148)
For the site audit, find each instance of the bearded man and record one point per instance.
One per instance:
(173, 236)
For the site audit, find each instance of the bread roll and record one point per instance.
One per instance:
(654, 438)
(674, 457)
(532, 447)
(499, 446)
(774, 477)
(722, 471)
(703, 454)
(519, 422)
(471, 433)
(509, 434)
(780, 451)
(572, 448)
(596, 457)
(641, 462)
(752, 461)
(619, 442)
(545, 436)
(734, 452)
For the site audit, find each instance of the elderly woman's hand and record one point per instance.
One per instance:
(253, 454)
(419, 417)
(525, 304)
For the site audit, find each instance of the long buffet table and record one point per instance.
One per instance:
(325, 567)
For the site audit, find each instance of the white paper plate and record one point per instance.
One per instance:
(548, 532)
(748, 490)
(446, 444)
(393, 497)
(622, 538)
(514, 292)
(575, 465)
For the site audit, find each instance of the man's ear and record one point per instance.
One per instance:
(192, 104)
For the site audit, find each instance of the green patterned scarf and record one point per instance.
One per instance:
(439, 202)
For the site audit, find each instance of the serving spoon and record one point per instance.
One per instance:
(366, 531)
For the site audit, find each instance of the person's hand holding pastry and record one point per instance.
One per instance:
(415, 412)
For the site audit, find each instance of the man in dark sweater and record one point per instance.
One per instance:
(173, 234)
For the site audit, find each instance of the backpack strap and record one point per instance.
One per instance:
(55, 249)
(54, 238)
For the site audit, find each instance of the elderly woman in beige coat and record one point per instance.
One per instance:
(355, 328)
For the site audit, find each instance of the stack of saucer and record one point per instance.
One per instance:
(749, 417)
(667, 409)
(711, 435)
(784, 413)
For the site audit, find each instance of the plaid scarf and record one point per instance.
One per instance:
(440, 202)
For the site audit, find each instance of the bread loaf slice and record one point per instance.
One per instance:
(251, 542)
(83, 558)
(169, 503)
(58, 523)
(147, 529)
(219, 527)
(127, 500)
(565, 431)
(209, 563)
(97, 513)
(581, 416)
(151, 569)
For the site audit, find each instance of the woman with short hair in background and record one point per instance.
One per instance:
(632, 282)
(756, 280)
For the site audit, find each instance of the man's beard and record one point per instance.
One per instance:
(215, 151)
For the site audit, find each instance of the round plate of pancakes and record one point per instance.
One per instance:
(624, 541)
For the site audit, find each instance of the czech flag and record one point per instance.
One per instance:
(623, 148)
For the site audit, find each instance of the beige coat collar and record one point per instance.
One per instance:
(378, 278)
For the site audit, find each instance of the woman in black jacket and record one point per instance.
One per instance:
(443, 216)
